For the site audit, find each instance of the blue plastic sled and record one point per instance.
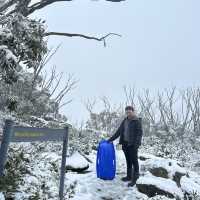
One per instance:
(106, 161)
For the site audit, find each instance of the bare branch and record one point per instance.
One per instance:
(45, 3)
(107, 104)
(64, 104)
(57, 84)
(83, 36)
(69, 85)
(89, 105)
(42, 4)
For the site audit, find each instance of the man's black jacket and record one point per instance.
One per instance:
(135, 132)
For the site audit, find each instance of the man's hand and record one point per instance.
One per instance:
(108, 141)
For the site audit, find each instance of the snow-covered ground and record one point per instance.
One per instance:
(42, 179)
(41, 163)
(89, 187)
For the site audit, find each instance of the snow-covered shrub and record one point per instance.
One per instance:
(14, 170)
(104, 121)
(21, 42)
(85, 143)
(183, 151)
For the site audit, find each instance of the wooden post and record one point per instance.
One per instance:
(63, 164)
(7, 134)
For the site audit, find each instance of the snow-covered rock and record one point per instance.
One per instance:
(152, 186)
(77, 163)
(165, 168)
(144, 156)
(160, 176)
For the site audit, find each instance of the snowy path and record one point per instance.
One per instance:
(89, 187)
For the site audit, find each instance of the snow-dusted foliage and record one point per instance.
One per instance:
(28, 99)
(104, 121)
(21, 42)
(186, 151)
(84, 141)
(32, 172)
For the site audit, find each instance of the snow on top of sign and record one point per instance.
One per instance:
(164, 184)
(39, 119)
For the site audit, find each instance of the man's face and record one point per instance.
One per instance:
(129, 113)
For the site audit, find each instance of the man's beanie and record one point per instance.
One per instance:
(129, 108)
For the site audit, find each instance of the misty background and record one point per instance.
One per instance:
(159, 47)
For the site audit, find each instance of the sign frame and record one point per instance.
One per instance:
(13, 133)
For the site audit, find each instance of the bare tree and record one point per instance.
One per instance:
(69, 85)
(170, 112)
(195, 109)
(147, 106)
(162, 108)
(130, 95)
(107, 119)
(184, 117)
(90, 104)
(38, 69)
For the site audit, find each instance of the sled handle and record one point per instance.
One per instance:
(114, 157)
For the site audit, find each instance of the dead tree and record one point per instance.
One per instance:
(147, 106)
(170, 111)
(161, 109)
(185, 113)
(89, 105)
(195, 109)
(69, 85)
(37, 70)
(130, 95)
(57, 91)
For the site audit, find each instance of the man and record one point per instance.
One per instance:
(130, 132)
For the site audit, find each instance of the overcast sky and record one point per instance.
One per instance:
(160, 46)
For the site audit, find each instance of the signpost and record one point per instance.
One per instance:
(31, 134)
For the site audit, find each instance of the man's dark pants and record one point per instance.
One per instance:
(131, 154)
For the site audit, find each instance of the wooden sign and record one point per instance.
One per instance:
(13, 133)
(29, 134)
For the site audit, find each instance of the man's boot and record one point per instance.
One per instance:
(128, 177)
(134, 178)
